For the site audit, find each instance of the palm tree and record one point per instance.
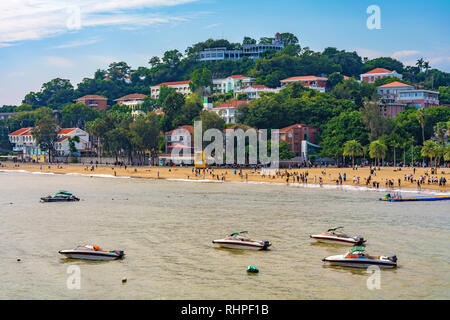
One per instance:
(447, 153)
(377, 150)
(353, 148)
(426, 66)
(428, 150)
(422, 117)
(440, 130)
(419, 63)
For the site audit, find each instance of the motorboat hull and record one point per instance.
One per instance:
(336, 240)
(54, 199)
(244, 245)
(92, 255)
(340, 260)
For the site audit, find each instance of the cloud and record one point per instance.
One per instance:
(74, 44)
(215, 25)
(404, 53)
(58, 62)
(37, 19)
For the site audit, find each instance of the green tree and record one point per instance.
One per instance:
(77, 115)
(422, 118)
(45, 133)
(353, 149)
(377, 150)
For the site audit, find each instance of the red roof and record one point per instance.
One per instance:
(304, 78)
(395, 84)
(132, 96)
(180, 146)
(379, 70)
(92, 96)
(238, 126)
(173, 83)
(189, 128)
(62, 139)
(159, 111)
(297, 125)
(19, 132)
(257, 86)
(238, 76)
(232, 104)
(64, 131)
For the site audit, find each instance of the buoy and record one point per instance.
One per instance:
(124, 280)
(18, 260)
(252, 269)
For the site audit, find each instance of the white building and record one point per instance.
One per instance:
(231, 83)
(311, 82)
(254, 91)
(180, 86)
(25, 144)
(228, 111)
(252, 51)
(134, 102)
(376, 73)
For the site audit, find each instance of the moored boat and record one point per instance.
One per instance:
(61, 196)
(357, 258)
(92, 252)
(336, 236)
(237, 241)
(398, 198)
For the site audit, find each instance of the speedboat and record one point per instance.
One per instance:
(61, 196)
(338, 237)
(237, 241)
(92, 252)
(398, 198)
(357, 258)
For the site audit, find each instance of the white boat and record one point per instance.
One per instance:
(338, 237)
(357, 258)
(237, 241)
(92, 252)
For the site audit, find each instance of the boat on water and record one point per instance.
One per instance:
(92, 252)
(336, 236)
(236, 240)
(61, 196)
(398, 198)
(358, 258)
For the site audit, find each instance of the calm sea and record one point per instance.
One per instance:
(166, 229)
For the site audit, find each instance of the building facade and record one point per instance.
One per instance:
(395, 96)
(180, 138)
(311, 82)
(254, 91)
(231, 83)
(251, 51)
(26, 149)
(376, 73)
(296, 134)
(94, 101)
(228, 111)
(180, 86)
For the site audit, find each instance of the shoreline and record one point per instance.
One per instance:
(184, 174)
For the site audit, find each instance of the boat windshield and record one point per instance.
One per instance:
(357, 249)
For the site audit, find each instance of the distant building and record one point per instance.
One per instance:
(228, 111)
(296, 134)
(311, 82)
(132, 101)
(376, 73)
(254, 91)
(7, 115)
(395, 96)
(180, 86)
(181, 138)
(231, 83)
(252, 51)
(94, 101)
(26, 149)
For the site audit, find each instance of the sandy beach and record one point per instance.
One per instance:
(328, 175)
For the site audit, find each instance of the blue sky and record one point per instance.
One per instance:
(42, 39)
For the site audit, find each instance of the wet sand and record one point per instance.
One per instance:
(249, 175)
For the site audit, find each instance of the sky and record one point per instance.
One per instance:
(45, 39)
